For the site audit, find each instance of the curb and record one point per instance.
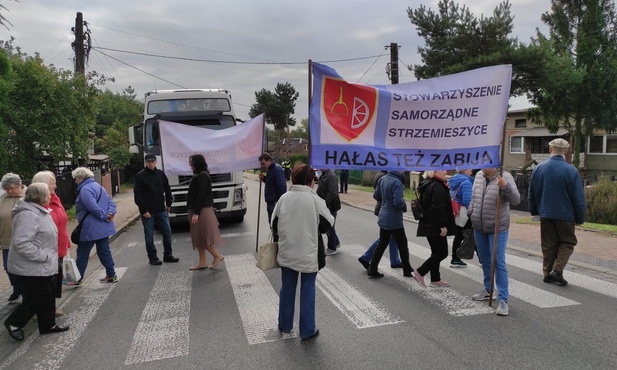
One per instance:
(515, 248)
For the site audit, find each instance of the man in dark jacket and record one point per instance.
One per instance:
(153, 198)
(328, 190)
(274, 180)
(556, 195)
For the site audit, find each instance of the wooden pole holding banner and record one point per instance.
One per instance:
(496, 232)
(260, 194)
(310, 97)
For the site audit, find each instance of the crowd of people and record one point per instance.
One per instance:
(34, 238)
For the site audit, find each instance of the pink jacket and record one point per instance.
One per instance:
(58, 214)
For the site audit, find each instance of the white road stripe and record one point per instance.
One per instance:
(355, 305)
(447, 299)
(528, 293)
(92, 296)
(573, 278)
(256, 299)
(185, 239)
(162, 331)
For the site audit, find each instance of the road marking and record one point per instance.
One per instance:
(163, 329)
(573, 278)
(448, 299)
(256, 299)
(528, 293)
(355, 305)
(92, 296)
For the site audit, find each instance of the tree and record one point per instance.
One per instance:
(578, 87)
(279, 106)
(301, 130)
(116, 113)
(3, 20)
(49, 112)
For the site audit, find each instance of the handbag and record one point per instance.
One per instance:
(266, 255)
(461, 218)
(468, 245)
(69, 269)
(76, 233)
(416, 207)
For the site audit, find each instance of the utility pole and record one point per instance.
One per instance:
(78, 44)
(82, 44)
(392, 68)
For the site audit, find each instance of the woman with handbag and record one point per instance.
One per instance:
(437, 223)
(33, 259)
(460, 191)
(61, 219)
(204, 226)
(298, 220)
(95, 210)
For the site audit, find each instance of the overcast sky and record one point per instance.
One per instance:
(283, 35)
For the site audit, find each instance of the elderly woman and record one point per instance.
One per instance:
(96, 210)
(298, 218)
(437, 223)
(58, 214)
(33, 259)
(488, 188)
(13, 191)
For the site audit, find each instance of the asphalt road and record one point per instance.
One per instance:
(163, 317)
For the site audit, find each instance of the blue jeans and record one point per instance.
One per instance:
(333, 241)
(484, 246)
(394, 257)
(287, 302)
(17, 290)
(162, 222)
(102, 250)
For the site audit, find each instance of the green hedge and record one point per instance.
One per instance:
(601, 201)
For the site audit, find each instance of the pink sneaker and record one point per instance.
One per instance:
(419, 278)
(439, 284)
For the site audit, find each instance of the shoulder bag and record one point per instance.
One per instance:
(416, 207)
(76, 233)
(266, 255)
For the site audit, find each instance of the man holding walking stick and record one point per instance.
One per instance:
(489, 212)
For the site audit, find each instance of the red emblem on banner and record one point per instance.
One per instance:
(348, 107)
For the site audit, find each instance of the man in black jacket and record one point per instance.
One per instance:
(328, 190)
(153, 197)
(274, 178)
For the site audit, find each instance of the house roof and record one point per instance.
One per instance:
(539, 132)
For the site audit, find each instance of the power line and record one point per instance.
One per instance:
(371, 66)
(139, 69)
(232, 62)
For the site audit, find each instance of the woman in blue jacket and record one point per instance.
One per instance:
(96, 210)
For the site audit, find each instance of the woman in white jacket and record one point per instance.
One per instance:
(298, 220)
(33, 259)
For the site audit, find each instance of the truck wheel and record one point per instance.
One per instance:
(237, 219)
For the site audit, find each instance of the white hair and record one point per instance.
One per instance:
(10, 179)
(82, 173)
(37, 193)
(43, 177)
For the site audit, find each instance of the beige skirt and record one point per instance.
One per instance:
(206, 231)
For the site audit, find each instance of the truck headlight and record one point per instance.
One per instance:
(238, 196)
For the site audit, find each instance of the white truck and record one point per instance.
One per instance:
(209, 108)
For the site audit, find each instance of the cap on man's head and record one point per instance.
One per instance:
(150, 158)
(559, 143)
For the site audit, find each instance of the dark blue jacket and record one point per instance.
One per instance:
(389, 192)
(275, 183)
(556, 191)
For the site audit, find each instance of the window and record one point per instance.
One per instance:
(517, 145)
(603, 144)
(522, 122)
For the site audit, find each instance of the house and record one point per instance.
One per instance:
(294, 145)
(527, 144)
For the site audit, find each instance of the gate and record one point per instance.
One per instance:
(522, 179)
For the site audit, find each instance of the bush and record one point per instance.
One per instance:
(601, 201)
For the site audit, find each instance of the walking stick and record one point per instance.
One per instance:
(496, 232)
(258, 215)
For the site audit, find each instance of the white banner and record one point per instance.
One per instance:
(229, 150)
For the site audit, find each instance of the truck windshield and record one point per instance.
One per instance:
(153, 138)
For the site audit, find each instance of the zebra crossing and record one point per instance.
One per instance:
(162, 330)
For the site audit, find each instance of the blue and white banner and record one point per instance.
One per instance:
(449, 122)
(229, 150)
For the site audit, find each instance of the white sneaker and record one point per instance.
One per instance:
(331, 252)
(502, 309)
(482, 296)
